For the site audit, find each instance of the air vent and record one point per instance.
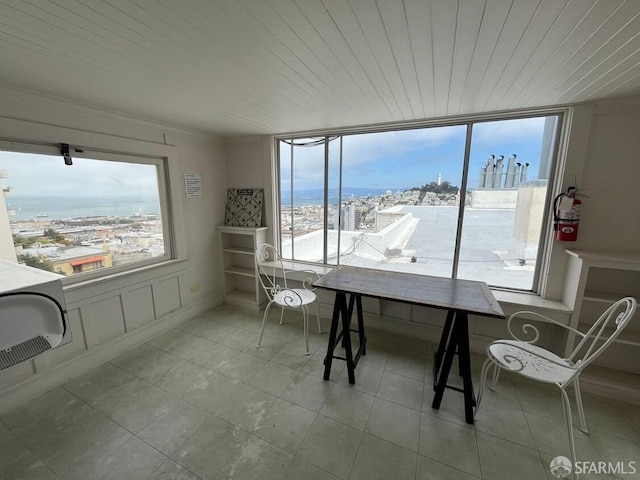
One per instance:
(23, 351)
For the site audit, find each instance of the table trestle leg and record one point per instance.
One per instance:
(342, 313)
(456, 338)
(335, 319)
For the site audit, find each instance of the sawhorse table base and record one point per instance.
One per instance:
(454, 339)
(344, 312)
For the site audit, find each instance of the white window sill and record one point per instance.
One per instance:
(504, 297)
(529, 300)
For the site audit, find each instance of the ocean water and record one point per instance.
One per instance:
(60, 208)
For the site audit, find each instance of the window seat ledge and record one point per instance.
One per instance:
(292, 267)
(522, 300)
(529, 300)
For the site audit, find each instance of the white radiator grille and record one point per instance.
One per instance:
(23, 351)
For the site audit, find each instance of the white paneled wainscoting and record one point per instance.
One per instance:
(106, 319)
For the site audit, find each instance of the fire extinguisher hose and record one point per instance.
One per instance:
(556, 218)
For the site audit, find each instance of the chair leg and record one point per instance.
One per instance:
(566, 404)
(583, 420)
(281, 315)
(318, 316)
(305, 314)
(264, 319)
(496, 374)
(486, 366)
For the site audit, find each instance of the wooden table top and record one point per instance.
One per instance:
(438, 292)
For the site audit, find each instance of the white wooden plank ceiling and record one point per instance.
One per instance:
(269, 66)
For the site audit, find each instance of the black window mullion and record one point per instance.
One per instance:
(293, 243)
(339, 202)
(463, 195)
(325, 227)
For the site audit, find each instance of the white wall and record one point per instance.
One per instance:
(110, 316)
(249, 166)
(610, 215)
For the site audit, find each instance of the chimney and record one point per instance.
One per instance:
(483, 176)
(497, 176)
(490, 168)
(525, 171)
(511, 171)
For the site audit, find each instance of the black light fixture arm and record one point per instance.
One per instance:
(64, 151)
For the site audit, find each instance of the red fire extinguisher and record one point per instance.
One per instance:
(566, 215)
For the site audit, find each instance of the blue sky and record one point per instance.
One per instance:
(407, 158)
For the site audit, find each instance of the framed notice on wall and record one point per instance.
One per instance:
(192, 185)
(244, 207)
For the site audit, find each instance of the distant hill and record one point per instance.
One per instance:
(313, 196)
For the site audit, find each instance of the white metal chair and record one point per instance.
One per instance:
(273, 278)
(534, 362)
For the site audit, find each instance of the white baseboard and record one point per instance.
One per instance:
(611, 383)
(45, 380)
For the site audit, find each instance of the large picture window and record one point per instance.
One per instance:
(463, 200)
(102, 214)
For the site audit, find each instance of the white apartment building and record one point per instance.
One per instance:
(348, 217)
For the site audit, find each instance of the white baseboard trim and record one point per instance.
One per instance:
(598, 386)
(41, 382)
(610, 383)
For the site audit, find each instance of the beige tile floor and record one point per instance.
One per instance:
(201, 401)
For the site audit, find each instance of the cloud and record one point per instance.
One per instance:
(515, 129)
(370, 148)
(373, 159)
(47, 175)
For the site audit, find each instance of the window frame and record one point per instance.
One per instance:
(558, 152)
(173, 246)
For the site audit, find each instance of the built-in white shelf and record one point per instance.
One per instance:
(247, 272)
(596, 280)
(239, 250)
(239, 244)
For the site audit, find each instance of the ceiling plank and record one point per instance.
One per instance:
(444, 18)
(531, 41)
(555, 62)
(355, 77)
(418, 13)
(377, 37)
(519, 17)
(493, 20)
(470, 19)
(394, 18)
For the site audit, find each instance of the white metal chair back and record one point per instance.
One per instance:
(603, 332)
(270, 270)
(592, 343)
